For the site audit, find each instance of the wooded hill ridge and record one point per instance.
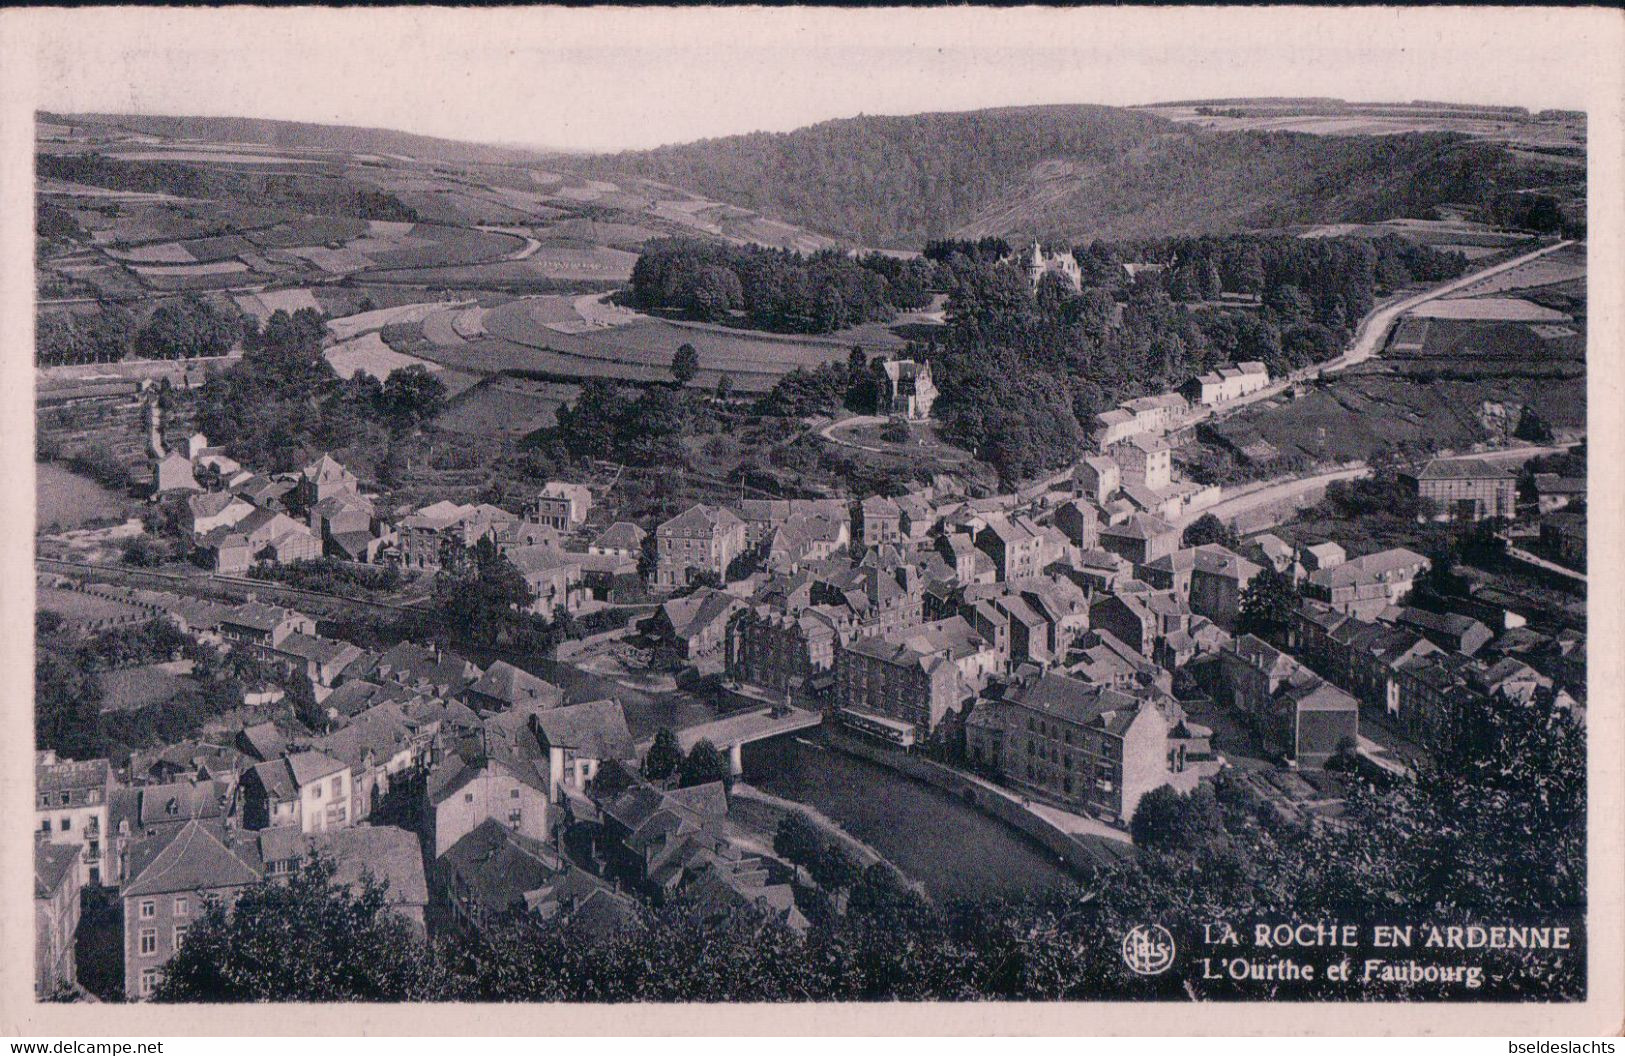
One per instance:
(306, 135)
(1075, 172)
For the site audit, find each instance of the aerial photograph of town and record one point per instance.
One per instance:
(956, 555)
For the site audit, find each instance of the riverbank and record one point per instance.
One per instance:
(953, 848)
(763, 811)
(1083, 853)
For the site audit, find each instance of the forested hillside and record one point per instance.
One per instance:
(1075, 172)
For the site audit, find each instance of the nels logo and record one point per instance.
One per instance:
(1149, 949)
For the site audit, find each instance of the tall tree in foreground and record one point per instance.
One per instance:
(685, 364)
(1268, 603)
(480, 591)
(1209, 529)
(705, 763)
(664, 756)
(306, 939)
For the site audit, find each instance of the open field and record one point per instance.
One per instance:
(1461, 235)
(1566, 264)
(1486, 344)
(67, 499)
(646, 346)
(1545, 137)
(211, 157)
(133, 688)
(1360, 412)
(503, 406)
(1513, 308)
(267, 302)
(160, 253)
(369, 354)
(85, 609)
(351, 326)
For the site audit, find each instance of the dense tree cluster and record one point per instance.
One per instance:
(638, 427)
(1267, 603)
(1209, 529)
(1380, 495)
(776, 289)
(283, 404)
(944, 250)
(1494, 831)
(330, 575)
(480, 592)
(1077, 353)
(52, 223)
(802, 393)
(186, 329)
(302, 939)
(102, 336)
(68, 693)
(1336, 277)
(98, 170)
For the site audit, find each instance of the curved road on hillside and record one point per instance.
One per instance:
(1373, 329)
(1257, 496)
(1372, 333)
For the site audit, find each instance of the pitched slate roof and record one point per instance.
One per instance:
(512, 685)
(283, 778)
(1367, 568)
(1138, 526)
(193, 859)
(693, 613)
(1082, 703)
(700, 520)
(259, 617)
(326, 468)
(388, 853)
(183, 801)
(500, 866)
(211, 503)
(1215, 560)
(1463, 469)
(52, 863)
(622, 535)
(596, 729)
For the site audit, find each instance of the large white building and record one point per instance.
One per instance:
(1227, 383)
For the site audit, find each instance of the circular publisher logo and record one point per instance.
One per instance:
(1148, 949)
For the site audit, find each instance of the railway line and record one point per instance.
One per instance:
(121, 575)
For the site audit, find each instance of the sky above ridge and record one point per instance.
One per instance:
(609, 79)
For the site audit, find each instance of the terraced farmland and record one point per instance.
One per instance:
(642, 349)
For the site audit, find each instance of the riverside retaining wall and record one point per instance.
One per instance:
(988, 798)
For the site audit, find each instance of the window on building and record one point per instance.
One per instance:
(318, 791)
(149, 981)
(148, 942)
(149, 909)
(181, 906)
(65, 798)
(513, 793)
(65, 824)
(180, 935)
(468, 797)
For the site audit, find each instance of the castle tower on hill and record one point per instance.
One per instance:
(1063, 264)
